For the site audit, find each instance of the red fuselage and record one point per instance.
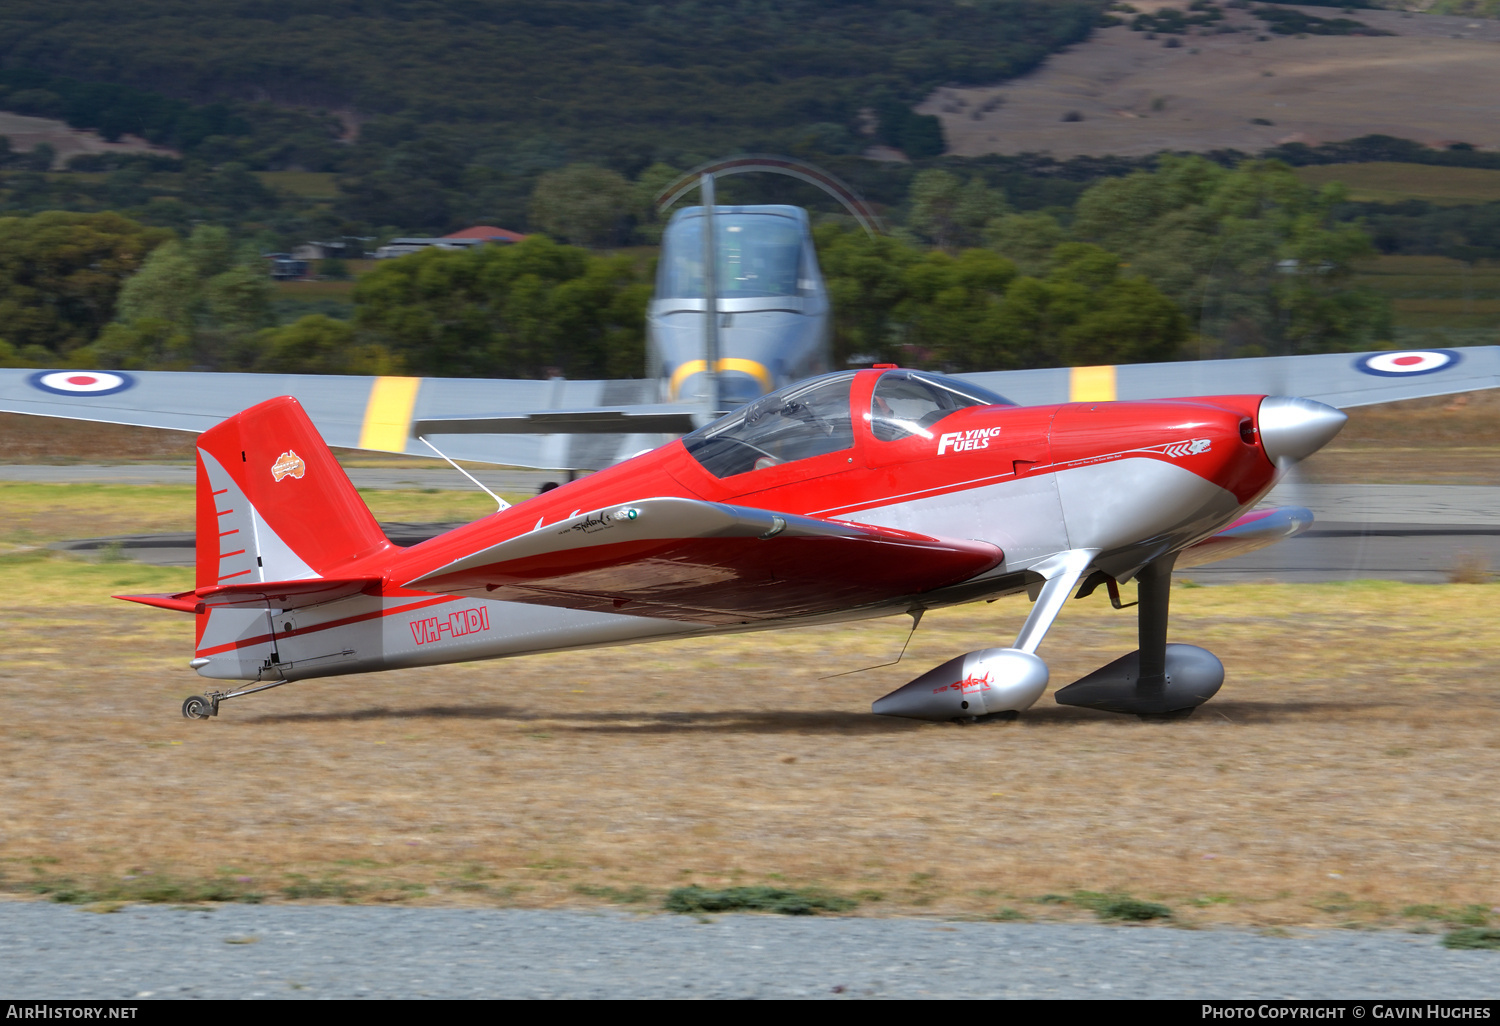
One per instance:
(1214, 438)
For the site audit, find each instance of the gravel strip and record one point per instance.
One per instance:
(289, 951)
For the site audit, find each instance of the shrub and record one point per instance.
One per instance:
(697, 900)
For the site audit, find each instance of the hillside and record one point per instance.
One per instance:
(1237, 85)
(568, 78)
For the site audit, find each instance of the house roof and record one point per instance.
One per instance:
(485, 231)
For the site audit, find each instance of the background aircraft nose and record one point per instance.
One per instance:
(1293, 429)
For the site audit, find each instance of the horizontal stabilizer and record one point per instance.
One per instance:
(280, 594)
(289, 594)
(710, 562)
(1255, 530)
(181, 602)
(619, 420)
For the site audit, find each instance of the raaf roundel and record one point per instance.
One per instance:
(850, 495)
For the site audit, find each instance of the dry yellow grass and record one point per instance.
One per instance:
(26, 439)
(1436, 81)
(1345, 773)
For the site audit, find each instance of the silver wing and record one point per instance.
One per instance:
(374, 413)
(1338, 379)
(571, 421)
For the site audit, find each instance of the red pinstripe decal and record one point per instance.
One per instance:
(225, 512)
(946, 489)
(394, 610)
(886, 500)
(226, 555)
(224, 534)
(221, 491)
(242, 573)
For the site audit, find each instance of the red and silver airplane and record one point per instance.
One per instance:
(847, 496)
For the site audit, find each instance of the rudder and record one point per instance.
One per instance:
(273, 503)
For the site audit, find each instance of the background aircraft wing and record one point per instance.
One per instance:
(586, 425)
(1338, 379)
(706, 562)
(354, 412)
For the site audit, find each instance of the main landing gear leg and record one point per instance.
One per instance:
(201, 707)
(994, 683)
(1158, 681)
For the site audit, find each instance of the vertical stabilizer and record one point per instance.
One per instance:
(273, 503)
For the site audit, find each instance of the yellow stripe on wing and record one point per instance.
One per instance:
(388, 414)
(1092, 385)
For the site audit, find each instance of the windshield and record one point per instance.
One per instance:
(810, 418)
(760, 255)
(907, 403)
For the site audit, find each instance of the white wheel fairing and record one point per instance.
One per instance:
(81, 383)
(1413, 361)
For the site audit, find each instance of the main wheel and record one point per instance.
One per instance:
(1008, 716)
(197, 708)
(1168, 717)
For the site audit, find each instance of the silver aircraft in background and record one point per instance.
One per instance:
(773, 312)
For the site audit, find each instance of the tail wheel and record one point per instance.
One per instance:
(197, 708)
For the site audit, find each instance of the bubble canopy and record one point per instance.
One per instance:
(759, 256)
(815, 417)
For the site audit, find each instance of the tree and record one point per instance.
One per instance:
(525, 310)
(971, 311)
(194, 303)
(950, 316)
(950, 213)
(1027, 240)
(866, 281)
(583, 204)
(318, 344)
(1252, 255)
(61, 276)
(648, 183)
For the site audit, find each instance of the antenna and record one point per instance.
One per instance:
(499, 501)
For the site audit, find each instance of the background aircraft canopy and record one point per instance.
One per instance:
(759, 254)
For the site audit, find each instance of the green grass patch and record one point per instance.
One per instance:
(1437, 301)
(37, 514)
(1390, 182)
(159, 889)
(314, 185)
(305, 888)
(1120, 907)
(1472, 938)
(1462, 915)
(636, 895)
(696, 900)
(41, 578)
